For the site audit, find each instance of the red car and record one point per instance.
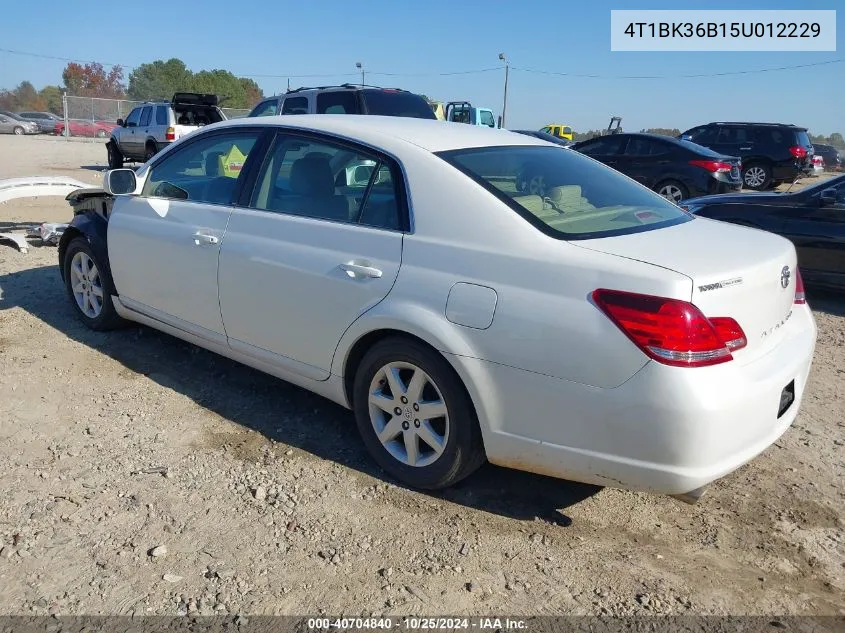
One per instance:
(78, 127)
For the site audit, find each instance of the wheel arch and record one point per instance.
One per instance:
(429, 329)
(92, 228)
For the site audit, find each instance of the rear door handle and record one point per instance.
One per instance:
(204, 239)
(744, 148)
(360, 271)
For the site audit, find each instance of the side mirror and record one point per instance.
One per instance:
(827, 198)
(120, 181)
(686, 137)
(120, 122)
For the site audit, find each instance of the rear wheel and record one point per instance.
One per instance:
(757, 176)
(415, 416)
(114, 156)
(89, 286)
(150, 151)
(101, 134)
(672, 190)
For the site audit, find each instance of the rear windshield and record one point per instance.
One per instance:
(565, 194)
(700, 149)
(390, 103)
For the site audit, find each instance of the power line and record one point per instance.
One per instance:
(697, 75)
(463, 72)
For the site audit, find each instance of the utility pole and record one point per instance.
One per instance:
(360, 67)
(288, 84)
(505, 100)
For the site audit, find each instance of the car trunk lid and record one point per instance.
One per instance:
(737, 272)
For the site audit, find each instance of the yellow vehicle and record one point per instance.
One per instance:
(559, 130)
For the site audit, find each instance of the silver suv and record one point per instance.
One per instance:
(346, 99)
(152, 126)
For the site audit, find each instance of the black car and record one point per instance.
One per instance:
(771, 153)
(545, 136)
(675, 169)
(832, 159)
(812, 218)
(346, 99)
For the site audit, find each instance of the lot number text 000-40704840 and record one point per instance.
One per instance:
(682, 30)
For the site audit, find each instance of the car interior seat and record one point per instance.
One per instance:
(312, 186)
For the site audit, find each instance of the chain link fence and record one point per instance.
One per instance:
(93, 117)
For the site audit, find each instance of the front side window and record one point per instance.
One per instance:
(295, 105)
(703, 135)
(564, 194)
(133, 118)
(487, 119)
(603, 146)
(205, 170)
(318, 179)
(145, 116)
(547, 130)
(638, 146)
(337, 102)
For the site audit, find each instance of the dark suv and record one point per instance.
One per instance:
(346, 99)
(771, 153)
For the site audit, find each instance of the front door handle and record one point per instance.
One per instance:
(204, 239)
(360, 271)
(744, 148)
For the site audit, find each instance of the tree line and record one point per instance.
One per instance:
(154, 81)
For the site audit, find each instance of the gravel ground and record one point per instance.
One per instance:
(142, 475)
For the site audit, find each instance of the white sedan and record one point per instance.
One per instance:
(595, 332)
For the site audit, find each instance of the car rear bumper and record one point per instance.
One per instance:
(666, 430)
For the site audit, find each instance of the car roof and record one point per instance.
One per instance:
(429, 134)
(797, 127)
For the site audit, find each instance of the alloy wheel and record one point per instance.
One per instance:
(87, 285)
(755, 176)
(672, 193)
(408, 414)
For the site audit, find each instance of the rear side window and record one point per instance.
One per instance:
(145, 116)
(295, 105)
(644, 147)
(397, 103)
(337, 102)
(564, 194)
(801, 138)
(161, 115)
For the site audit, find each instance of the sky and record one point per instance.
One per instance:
(413, 45)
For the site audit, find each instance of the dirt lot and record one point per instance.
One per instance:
(139, 474)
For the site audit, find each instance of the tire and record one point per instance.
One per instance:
(456, 433)
(672, 190)
(84, 275)
(756, 176)
(18, 130)
(101, 134)
(115, 158)
(149, 151)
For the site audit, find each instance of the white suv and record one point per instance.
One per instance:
(152, 126)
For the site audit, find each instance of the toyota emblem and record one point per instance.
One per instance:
(784, 277)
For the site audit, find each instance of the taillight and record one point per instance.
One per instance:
(800, 296)
(714, 166)
(798, 152)
(671, 331)
(170, 134)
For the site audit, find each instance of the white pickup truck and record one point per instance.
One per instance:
(152, 126)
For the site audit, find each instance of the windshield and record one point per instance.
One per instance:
(565, 194)
(390, 103)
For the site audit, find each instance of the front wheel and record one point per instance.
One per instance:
(18, 130)
(101, 134)
(115, 158)
(415, 416)
(89, 286)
